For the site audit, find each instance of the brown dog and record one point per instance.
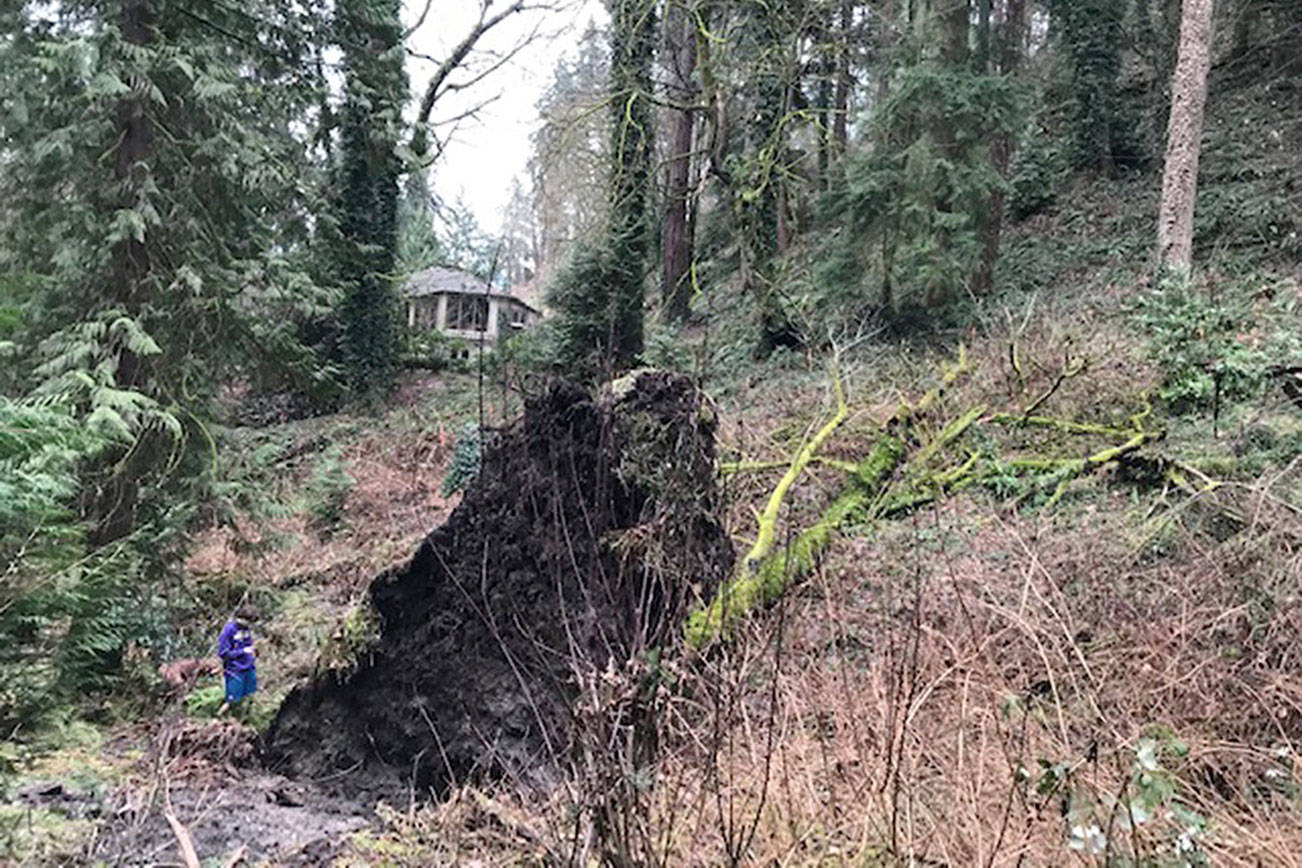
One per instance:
(180, 675)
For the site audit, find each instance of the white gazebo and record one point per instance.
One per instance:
(460, 305)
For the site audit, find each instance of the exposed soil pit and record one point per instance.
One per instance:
(592, 528)
(262, 818)
(202, 778)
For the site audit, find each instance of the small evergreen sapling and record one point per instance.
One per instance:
(465, 461)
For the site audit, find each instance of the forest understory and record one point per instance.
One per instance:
(930, 514)
(998, 674)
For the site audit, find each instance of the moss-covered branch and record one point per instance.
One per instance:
(763, 575)
(889, 482)
(1098, 459)
(768, 518)
(728, 468)
(760, 582)
(1064, 425)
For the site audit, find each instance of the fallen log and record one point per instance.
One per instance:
(762, 576)
(765, 574)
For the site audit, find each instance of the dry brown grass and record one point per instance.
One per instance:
(967, 685)
(393, 503)
(920, 678)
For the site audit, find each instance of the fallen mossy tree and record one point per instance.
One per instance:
(904, 470)
(762, 575)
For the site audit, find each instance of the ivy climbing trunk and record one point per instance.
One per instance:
(633, 28)
(370, 33)
(599, 294)
(1184, 138)
(1091, 32)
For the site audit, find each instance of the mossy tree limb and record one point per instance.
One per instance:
(765, 574)
(761, 582)
(1064, 425)
(768, 518)
(1093, 462)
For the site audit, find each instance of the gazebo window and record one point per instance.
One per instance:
(467, 313)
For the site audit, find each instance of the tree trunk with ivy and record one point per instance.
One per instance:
(370, 33)
(841, 100)
(1091, 32)
(599, 295)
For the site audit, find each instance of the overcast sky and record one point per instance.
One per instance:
(485, 155)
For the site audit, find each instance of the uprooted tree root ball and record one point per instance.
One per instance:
(590, 532)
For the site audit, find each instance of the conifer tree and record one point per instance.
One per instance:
(157, 191)
(600, 294)
(1091, 34)
(175, 250)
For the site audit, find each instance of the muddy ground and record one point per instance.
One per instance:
(256, 816)
(593, 526)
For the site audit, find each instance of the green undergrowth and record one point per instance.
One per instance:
(74, 754)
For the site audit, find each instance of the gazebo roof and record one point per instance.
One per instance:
(441, 279)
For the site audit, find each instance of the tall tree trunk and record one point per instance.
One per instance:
(841, 99)
(1008, 59)
(823, 111)
(954, 27)
(376, 88)
(678, 240)
(632, 49)
(113, 505)
(827, 65)
(984, 42)
(1184, 138)
(955, 21)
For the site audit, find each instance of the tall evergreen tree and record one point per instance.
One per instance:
(370, 34)
(156, 199)
(600, 295)
(1091, 34)
(153, 183)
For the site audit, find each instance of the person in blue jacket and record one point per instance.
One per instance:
(239, 661)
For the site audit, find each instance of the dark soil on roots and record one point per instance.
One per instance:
(592, 528)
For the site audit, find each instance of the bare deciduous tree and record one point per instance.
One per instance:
(458, 59)
(1184, 138)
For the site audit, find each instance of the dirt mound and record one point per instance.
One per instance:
(592, 527)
